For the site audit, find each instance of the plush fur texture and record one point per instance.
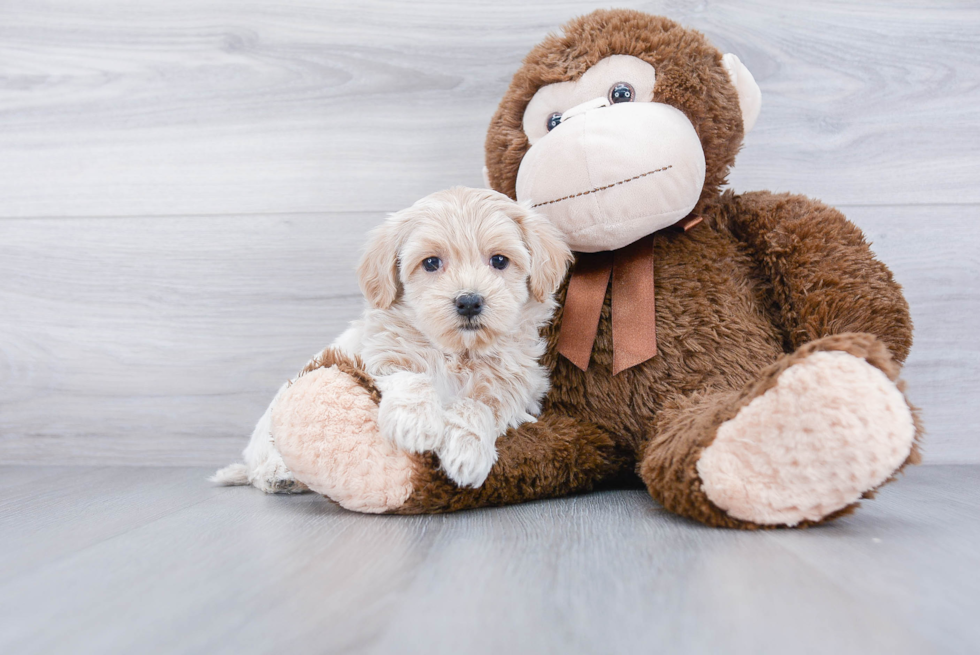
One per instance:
(669, 464)
(690, 77)
(610, 173)
(765, 282)
(367, 472)
(778, 461)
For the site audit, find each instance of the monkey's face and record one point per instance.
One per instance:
(619, 127)
(607, 164)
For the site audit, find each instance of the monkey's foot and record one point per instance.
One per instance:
(833, 428)
(326, 427)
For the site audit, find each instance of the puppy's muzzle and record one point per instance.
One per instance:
(469, 305)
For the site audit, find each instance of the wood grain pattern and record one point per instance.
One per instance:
(184, 186)
(140, 339)
(610, 572)
(192, 107)
(147, 341)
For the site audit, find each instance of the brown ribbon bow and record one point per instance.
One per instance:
(634, 317)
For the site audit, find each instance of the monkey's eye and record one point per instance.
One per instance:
(621, 92)
(553, 121)
(499, 262)
(431, 264)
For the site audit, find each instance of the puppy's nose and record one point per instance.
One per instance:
(469, 305)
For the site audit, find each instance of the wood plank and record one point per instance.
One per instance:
(605, 572)
(152, 341)
(143, 341)
(33, 477)
(893, 555)
(65, 510)
(609, 573)
(224, 107)
(241, 572)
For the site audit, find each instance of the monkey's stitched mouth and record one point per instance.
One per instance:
(601, 188)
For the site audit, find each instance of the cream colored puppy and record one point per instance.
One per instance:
(458, 286)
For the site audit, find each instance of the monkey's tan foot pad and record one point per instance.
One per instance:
(325, 426)
(833, 428)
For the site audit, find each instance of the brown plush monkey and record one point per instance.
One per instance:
(745, 368)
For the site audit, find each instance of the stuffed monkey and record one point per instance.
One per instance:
(738, 354)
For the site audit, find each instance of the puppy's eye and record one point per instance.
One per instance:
(431, 264)
(553, 121)
(499, 262)
(621, 92)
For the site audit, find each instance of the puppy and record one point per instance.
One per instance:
(458, 286)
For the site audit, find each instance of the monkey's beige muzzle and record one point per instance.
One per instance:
(609, 175)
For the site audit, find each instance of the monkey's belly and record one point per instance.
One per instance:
(702, 345)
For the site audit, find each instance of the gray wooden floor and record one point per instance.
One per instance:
(156, 560)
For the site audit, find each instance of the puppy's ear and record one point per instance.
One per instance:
(550, 255)
(377, 272)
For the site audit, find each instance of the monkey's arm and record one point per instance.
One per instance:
(824, 277)
(554, 456)
(325, 426)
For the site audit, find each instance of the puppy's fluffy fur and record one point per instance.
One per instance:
(450, 383)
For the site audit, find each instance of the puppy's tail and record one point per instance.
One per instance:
(231, 476)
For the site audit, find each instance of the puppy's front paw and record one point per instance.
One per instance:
(412, 421)
(468, 451)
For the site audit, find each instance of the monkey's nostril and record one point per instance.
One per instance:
(469, 305)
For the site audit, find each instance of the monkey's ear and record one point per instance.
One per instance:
(550, 255)
(749, 94)
(377, 272)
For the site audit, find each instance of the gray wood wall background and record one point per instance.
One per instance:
(184, 185)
